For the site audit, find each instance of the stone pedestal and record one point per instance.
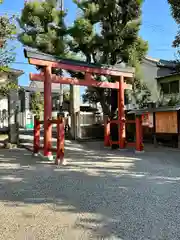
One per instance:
(155, 141)
(74, 110)
(13, 117)
(179, 141)
(27, 113)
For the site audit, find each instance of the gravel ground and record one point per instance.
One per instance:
(101, 194)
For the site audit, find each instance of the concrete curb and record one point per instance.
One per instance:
(48, 158)
(123, 150)
(140, 152)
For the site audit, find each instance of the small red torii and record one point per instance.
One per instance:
(49, 62)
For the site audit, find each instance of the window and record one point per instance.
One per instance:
(165, 88)
(170, 87)
(174, 87)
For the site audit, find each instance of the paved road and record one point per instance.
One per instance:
(100, 195)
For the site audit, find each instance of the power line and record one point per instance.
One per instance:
(148, 24)
(20, 63)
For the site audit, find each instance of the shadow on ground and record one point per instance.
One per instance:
(115, 194)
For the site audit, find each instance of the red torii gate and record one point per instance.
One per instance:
(49, 62)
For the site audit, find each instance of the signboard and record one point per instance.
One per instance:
(29, 126)
(147, 120)
(166, 122)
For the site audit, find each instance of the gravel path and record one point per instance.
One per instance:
(101, 194)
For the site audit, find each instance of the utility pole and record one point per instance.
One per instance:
(61, 5)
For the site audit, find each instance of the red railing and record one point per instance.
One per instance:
(60, 138)
(138, 144)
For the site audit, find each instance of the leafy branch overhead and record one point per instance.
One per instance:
(7, 32)
(106, 32)
(43, 26)
(175, 10)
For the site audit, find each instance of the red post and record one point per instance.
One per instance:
(121, 113)
(139, 140)
(60, 141)
(47, 113)
(106, 132)
(36, 146)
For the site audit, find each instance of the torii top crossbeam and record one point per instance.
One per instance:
(46, 60)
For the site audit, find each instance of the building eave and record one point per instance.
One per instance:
(152, 110)
(169, 75)
(15, 72)
(161, 62)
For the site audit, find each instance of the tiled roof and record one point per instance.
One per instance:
(159, 109)
(13, 71)
(169, 75)
(161, 62)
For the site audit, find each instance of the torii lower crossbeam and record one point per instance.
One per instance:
(88, 82)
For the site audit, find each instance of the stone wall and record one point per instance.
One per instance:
(92, 132)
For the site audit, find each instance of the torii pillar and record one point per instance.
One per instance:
(47, 113)
(121, 114)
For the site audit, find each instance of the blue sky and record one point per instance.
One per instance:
(158, 28)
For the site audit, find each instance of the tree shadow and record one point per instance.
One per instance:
(115, 194)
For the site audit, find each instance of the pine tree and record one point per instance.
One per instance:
(175, 10)
(106, 32)
(43, 27)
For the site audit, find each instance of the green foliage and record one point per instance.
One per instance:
(7, 88)
(104, 32)
(118, 23)
(115, 40)
(166, 101)
(175, 10)
(66, 94)
(37, 104)
(7, 32)
(141, 93)
(8, 28)
(7, 56)
(174, 100)
(43, 27)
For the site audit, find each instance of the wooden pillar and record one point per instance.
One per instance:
(36, 146)
(121, 113)
(178, 129)
(60, 141)
(47, 113)
(154, 131)
(106, 132)
(139, 137)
